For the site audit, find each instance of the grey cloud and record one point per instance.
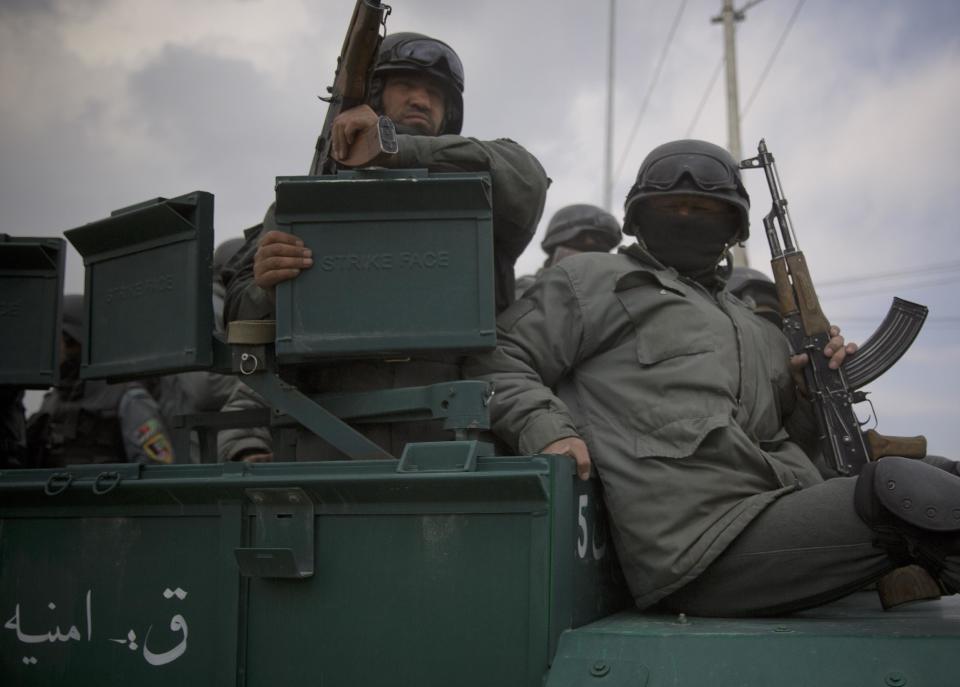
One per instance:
(39, 8)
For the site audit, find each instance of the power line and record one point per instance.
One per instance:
(653, 83)
(706, 95)
(905, 287)
(773, 56)
(748, 6)
(913, 272)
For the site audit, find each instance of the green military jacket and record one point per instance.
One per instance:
(683, 396)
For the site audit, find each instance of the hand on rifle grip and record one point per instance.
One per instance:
(836, 349)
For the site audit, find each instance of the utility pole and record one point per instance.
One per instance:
(729, 17)
(608, 148)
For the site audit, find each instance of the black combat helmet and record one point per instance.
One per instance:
(690, 167)
(758, 291)
(415, 52)
(573, 221)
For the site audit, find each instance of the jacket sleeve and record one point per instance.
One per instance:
(540, 340)
(519, 190)
(145, 436)
(232, 444)
(244, 300)
(519, 181)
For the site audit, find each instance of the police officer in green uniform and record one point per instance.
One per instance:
(91, 421)
(574, 229)
(418, 83)
(643, 366)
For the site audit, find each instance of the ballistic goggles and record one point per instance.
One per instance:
(428, 54)
(707, 173)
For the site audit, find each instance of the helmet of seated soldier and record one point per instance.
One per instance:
(690, 167)
(586, 228)
(415, 52)
(758, 291)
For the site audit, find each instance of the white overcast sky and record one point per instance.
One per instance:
(104, 103)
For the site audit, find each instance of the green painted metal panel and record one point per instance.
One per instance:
(148, 288)
(426, 578)
(31, 286)
(850, 642)
(415, 277)
(93, 599)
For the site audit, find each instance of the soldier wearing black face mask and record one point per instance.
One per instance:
(687, 207)
(687, 405)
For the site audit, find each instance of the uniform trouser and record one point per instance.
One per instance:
(805, 549)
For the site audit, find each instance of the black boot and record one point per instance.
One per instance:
(915, 510)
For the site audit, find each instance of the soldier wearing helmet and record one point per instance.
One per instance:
(642, 366)
(418, 83)
(90, 421)
(574, 229)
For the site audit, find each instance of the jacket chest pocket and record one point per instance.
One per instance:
(668, 323)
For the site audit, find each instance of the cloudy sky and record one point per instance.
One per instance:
(104, 103)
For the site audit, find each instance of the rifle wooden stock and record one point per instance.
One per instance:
(881, 445)
(909, 583)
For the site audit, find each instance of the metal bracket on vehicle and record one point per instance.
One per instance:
(443, 456)
(281, 537)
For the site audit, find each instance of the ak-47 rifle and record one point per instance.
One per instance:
(834, 392)
(351, 83)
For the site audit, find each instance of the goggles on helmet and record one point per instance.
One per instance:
(707, 173)
(428, 53)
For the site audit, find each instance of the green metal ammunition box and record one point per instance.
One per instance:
(148, 270)
(31, 286)
(403, 263)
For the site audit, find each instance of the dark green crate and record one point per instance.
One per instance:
(148, 288)
(403, 263)
(31, 286)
